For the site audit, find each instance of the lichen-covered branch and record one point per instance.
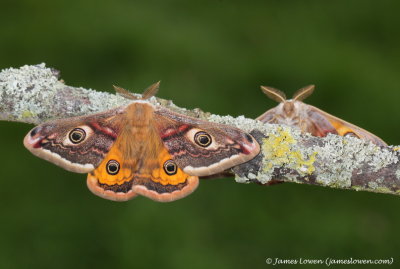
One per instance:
(34, 94)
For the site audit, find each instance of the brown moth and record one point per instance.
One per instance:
(307, 118)
(141, 149)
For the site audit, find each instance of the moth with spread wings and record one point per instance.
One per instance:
(307, 118)
(141, 149)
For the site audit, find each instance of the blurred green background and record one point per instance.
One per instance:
(213, 55)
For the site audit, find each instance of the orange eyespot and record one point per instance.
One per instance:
(112, 167)
(170, 167)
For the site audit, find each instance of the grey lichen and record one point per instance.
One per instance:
(341, 157)
(20, 86)
(34, 94)
(333, 161)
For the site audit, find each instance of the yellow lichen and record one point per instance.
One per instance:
(278, 151)
(308, 164)
(26, 114)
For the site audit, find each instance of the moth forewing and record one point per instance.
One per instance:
(344, 128)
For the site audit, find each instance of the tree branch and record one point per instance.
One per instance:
(34, 94)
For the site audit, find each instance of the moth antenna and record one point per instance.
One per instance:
(125, 93)
(303, 93)
(274, 94)
(151, 90)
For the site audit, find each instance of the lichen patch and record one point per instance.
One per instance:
(281, 150)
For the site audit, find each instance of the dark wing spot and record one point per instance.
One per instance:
(249, 138)
(351, 134)
(35, 131)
